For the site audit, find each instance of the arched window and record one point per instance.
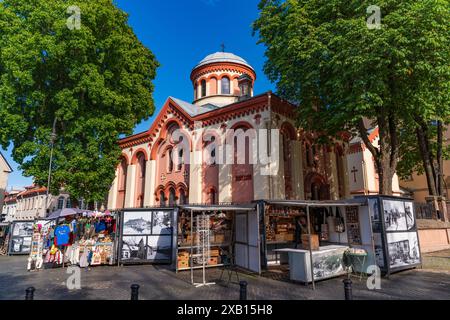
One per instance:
(180, 159)
(122, 184)
(203, 85)
(170, 161)
(182, 197)
(140, 180)
(225, 85)
(162, 199)
(172, 200)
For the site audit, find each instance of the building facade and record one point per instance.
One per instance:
(32, 203)
(5, 170)
(230, 146)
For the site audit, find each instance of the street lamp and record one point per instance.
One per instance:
(52, 143)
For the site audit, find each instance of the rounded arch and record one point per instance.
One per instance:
(288, 130)
(313, 177)
(134, 159)
(124, 156)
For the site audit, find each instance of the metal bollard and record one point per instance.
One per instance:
(348, 289)
(29, 293)
(243, 290)
(134, 292)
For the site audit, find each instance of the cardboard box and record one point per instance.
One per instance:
(214, 252)
(219, 238)
(289, 237)
(314, 241)
(183, 264)
(280, 237)
(213, 261)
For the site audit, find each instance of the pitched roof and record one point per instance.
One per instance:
(3, 159)
(194, 110)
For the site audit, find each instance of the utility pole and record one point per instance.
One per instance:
(52, 143)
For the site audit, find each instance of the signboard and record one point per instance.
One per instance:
(146, 236)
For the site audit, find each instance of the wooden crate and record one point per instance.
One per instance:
(314, 241)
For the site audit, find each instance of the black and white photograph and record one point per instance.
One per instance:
(409, 214)
(394, 215)
(16, 245)
(403, 249)
(23, 229)
(328, 264)
(379, 254)
(134, 248)
(137, 223)
(162, 222)
(159, 248)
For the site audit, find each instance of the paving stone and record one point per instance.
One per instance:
(161, 283)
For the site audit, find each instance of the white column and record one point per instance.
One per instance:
(195, 177)
(150, 173)
(112, 196)
(131, 183)
(297, 166)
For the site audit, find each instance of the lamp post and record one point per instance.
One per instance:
(52, 143)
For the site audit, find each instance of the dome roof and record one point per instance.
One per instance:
(223, 57)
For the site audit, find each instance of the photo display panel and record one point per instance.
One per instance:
(146, 236)
(401, 234)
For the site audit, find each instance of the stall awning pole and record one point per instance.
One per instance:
(310, 248)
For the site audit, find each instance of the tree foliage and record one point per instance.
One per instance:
(323, 55)
(96, 81)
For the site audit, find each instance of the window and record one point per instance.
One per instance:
(182, 197)
(171, 197)
(162, 199)
(170, 161)
(60, 202)
(225, 85)
(203, 84)
(68, 203)
(180, 160)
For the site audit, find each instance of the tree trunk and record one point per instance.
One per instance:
(427, 164)
(386, 155)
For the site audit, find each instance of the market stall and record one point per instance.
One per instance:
(218, 236)
(339, 236)
(84, 239)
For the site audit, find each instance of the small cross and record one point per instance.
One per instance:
(354, 171)
(223, 47)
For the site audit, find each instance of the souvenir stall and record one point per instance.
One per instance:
(4, 238)
(147, 236)
(214, 236)
(20, 237)
(323, 239)
(84, 239)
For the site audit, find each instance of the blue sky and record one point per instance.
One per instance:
(181, 33)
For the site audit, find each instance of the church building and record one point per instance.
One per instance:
(173, 162)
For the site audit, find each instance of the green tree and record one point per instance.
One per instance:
(325, 56)
(95, 80)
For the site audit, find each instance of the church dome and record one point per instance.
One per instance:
(223, 57)
(215, 79)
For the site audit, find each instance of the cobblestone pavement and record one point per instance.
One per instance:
(159, 282)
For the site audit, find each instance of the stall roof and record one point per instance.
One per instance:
(224, 207)
(324, 203)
